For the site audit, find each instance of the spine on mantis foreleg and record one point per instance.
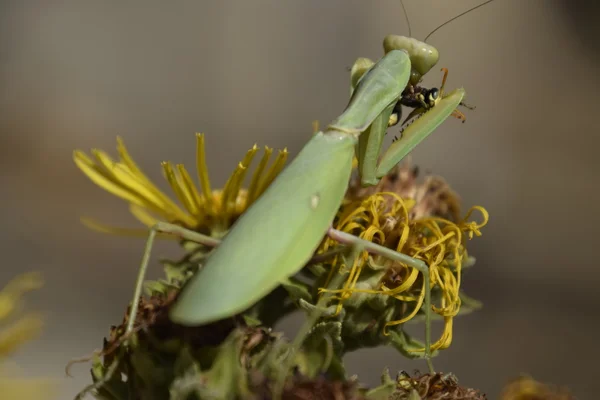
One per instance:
(417, 131)
(279, 233)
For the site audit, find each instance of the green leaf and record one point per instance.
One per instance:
(155, 287)
(317, 270)
(385, 390)
(251, 321)
(406, 345)
(296, 289)
(322, 344)
(469, 303)
(326, 312)
(225, 380)
(114, 388)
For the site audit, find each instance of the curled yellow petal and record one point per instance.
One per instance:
(11, 294)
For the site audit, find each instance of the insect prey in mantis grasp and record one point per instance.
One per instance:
(423, 58)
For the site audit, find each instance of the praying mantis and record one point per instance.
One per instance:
(279, 233)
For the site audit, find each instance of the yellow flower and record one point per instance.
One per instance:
(14, 335)
(205, 210)
(400, 223)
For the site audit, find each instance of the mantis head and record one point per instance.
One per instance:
(423, 56)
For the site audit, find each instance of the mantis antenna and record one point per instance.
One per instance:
(458, 16)
(444, 24)
(406, 18)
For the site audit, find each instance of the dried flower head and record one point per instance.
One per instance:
(410, 225)
(203, 210)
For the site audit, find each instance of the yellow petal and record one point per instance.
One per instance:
(122, 175)
(176, 186)
(273, 171)
(100, 178)
(234, 183)
(315, 126)
(202, 170)
(191, 191)
(143, 216)
(254, 183)
(14, 290)
(112, 230)
(134, 170)
(20, 332)
(28, 388)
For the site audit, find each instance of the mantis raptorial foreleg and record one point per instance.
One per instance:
(369, 146)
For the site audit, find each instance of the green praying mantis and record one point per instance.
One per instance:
(279, 233)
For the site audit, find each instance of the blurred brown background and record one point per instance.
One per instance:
(76, 74)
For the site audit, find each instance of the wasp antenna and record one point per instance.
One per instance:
(406, 17)
(458, 16)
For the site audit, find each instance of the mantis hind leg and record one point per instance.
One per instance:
(160, 227)
(346, 238)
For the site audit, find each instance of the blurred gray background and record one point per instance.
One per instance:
(76, 74)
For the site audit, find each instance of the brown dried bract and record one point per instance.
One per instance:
(400, 180)
(435, 387)
(433, 197)
(152, 318)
